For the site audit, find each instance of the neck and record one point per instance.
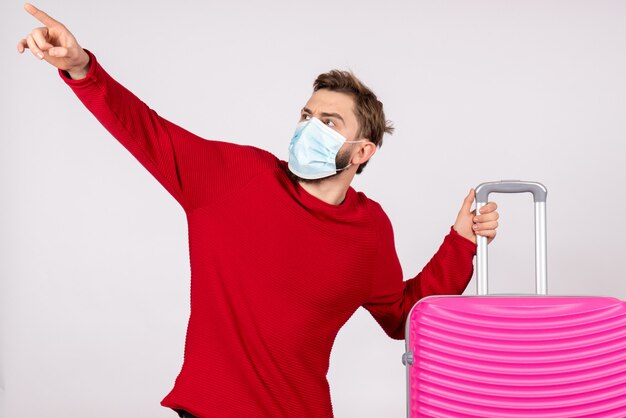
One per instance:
(331, 190)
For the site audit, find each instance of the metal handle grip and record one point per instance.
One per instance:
(539, 192)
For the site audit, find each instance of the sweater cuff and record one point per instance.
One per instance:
(461, 241)
(83, 81)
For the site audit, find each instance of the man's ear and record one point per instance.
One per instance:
(366, 151)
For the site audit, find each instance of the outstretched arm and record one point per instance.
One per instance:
(195, 171)
(154, 141)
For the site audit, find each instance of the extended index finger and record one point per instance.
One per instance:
(40, 15)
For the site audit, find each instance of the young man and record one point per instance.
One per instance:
(282, 253)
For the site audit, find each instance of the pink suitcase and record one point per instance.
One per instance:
(512, 355)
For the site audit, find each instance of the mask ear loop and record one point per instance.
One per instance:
(351, 142)
(341, 169)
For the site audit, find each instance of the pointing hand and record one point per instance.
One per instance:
(55, 43)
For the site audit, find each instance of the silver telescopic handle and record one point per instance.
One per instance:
(539, 192)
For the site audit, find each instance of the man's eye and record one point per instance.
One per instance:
(305, 117)
(329, 123)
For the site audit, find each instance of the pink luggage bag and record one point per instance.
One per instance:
(512, 355)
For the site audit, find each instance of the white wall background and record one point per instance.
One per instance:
(93, 253)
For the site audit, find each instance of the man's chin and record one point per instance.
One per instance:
(310, 181)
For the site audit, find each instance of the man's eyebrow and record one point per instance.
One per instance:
(326, 115)
(333, 115)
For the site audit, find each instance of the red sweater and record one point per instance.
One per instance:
(275, 272)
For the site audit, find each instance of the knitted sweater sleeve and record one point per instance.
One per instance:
(194, 171)
(447, 273)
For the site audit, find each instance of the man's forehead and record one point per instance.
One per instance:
(330, 101)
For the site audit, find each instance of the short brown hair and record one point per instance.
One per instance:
(368, 109)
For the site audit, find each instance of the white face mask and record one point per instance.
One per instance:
(313, 149)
